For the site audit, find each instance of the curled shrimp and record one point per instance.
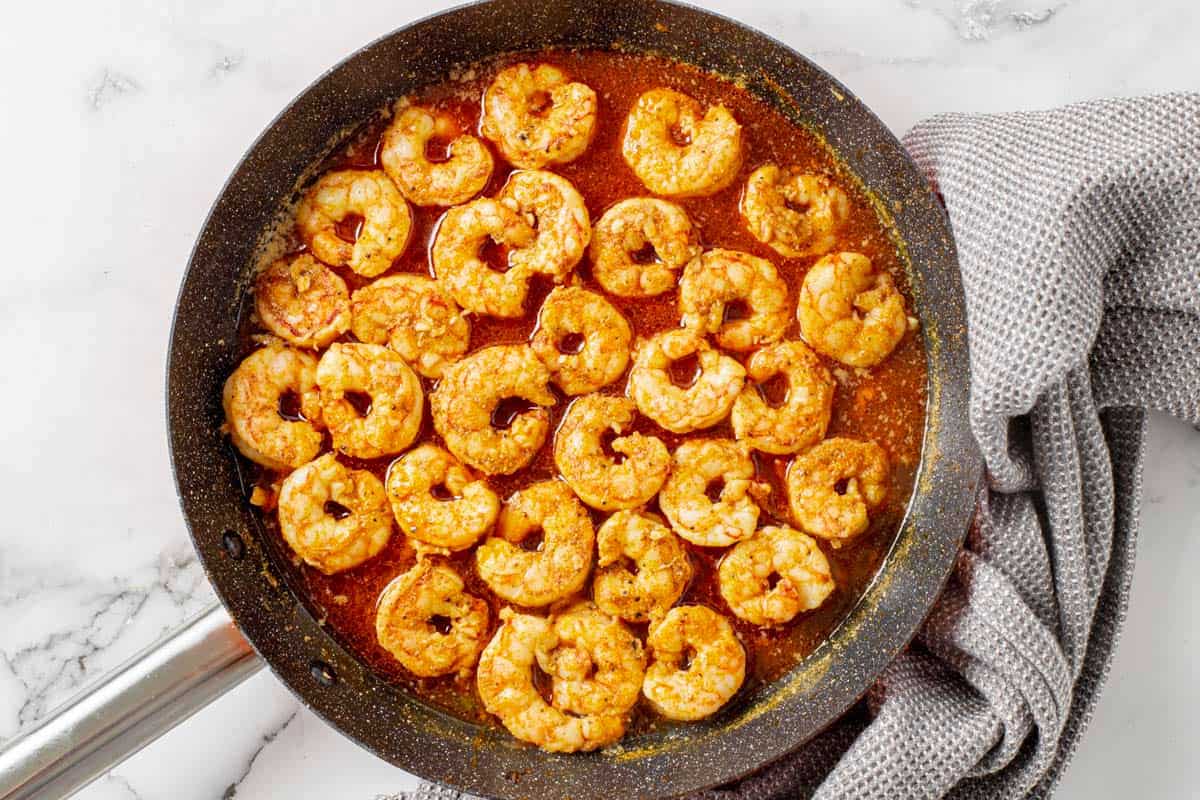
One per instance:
(851, 312)
(707, 162)
(833, 487)
(800, 421)
(254, 399)
(680, 409)
(598, 479)
(719, 278)
(695, 465)
(436, 524)
(582, 339)
(661, 569)
(333, 517)
(558, 568)
(461, 235)
(369, 194)
(795, 213)
(302, 301)
(409, 613)
(555, 210)
(392, 389)
(505, 682)
(626, 230)
(537, 116)
(414, 316)
(468, 395)
(597, 665)
(717, 667)
(457, 179)
(794, 561)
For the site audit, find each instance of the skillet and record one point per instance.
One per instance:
(251, 578)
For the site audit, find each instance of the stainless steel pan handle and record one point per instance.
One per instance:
(141, 700)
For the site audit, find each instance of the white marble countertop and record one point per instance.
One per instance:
(120, 122)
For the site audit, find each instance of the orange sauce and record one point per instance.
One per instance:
(886, 405)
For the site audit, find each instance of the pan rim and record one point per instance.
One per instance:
(969, 464)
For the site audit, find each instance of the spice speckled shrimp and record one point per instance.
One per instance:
(801, 420)
(719, 278)
(570, 312)
(555, 210)
(850, 311)
(833, 487)
(432, 523)
(457, 179)
(410, 607)
(661, 568)
(328, 541)
(716, 670)
(597, 665)
(504, 679)
(598, 479)
(695, 464)
(705, 164)
(795, 213)
(557, 569)
(801, 572)
(414, 316)
(302, 301)
(252, 399)
(537, 116)
(370, 194)
(397, 403)
(625, 230)
(455, 254)
(468, 394)
(682, 409)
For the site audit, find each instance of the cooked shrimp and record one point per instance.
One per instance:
(370, 194)
(582, 339)
(555, 210)
(254, 399)
(416, 317)
(436, 524)
(661, 569)
(850, 312)
(457, 179)
(505, 682)
(800, 570)
(468, 395)
(800, 421)
(335, 518)
(833, 487)
(713, 282)
(626, 230)
(455, 254)
(598, 479)
(597, 665)
(559, 567)
(690, 691)
(795, 213)
(537, 116)
(392, 389)
(415, 607)
(702, 404)
(695, 465)
(705, 163)
(302, 301)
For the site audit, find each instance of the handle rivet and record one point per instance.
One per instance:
(233, 544)
(322, 673)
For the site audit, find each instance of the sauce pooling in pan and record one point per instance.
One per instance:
(882, 403)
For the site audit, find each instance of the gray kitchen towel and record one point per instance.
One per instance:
(1078, 234)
